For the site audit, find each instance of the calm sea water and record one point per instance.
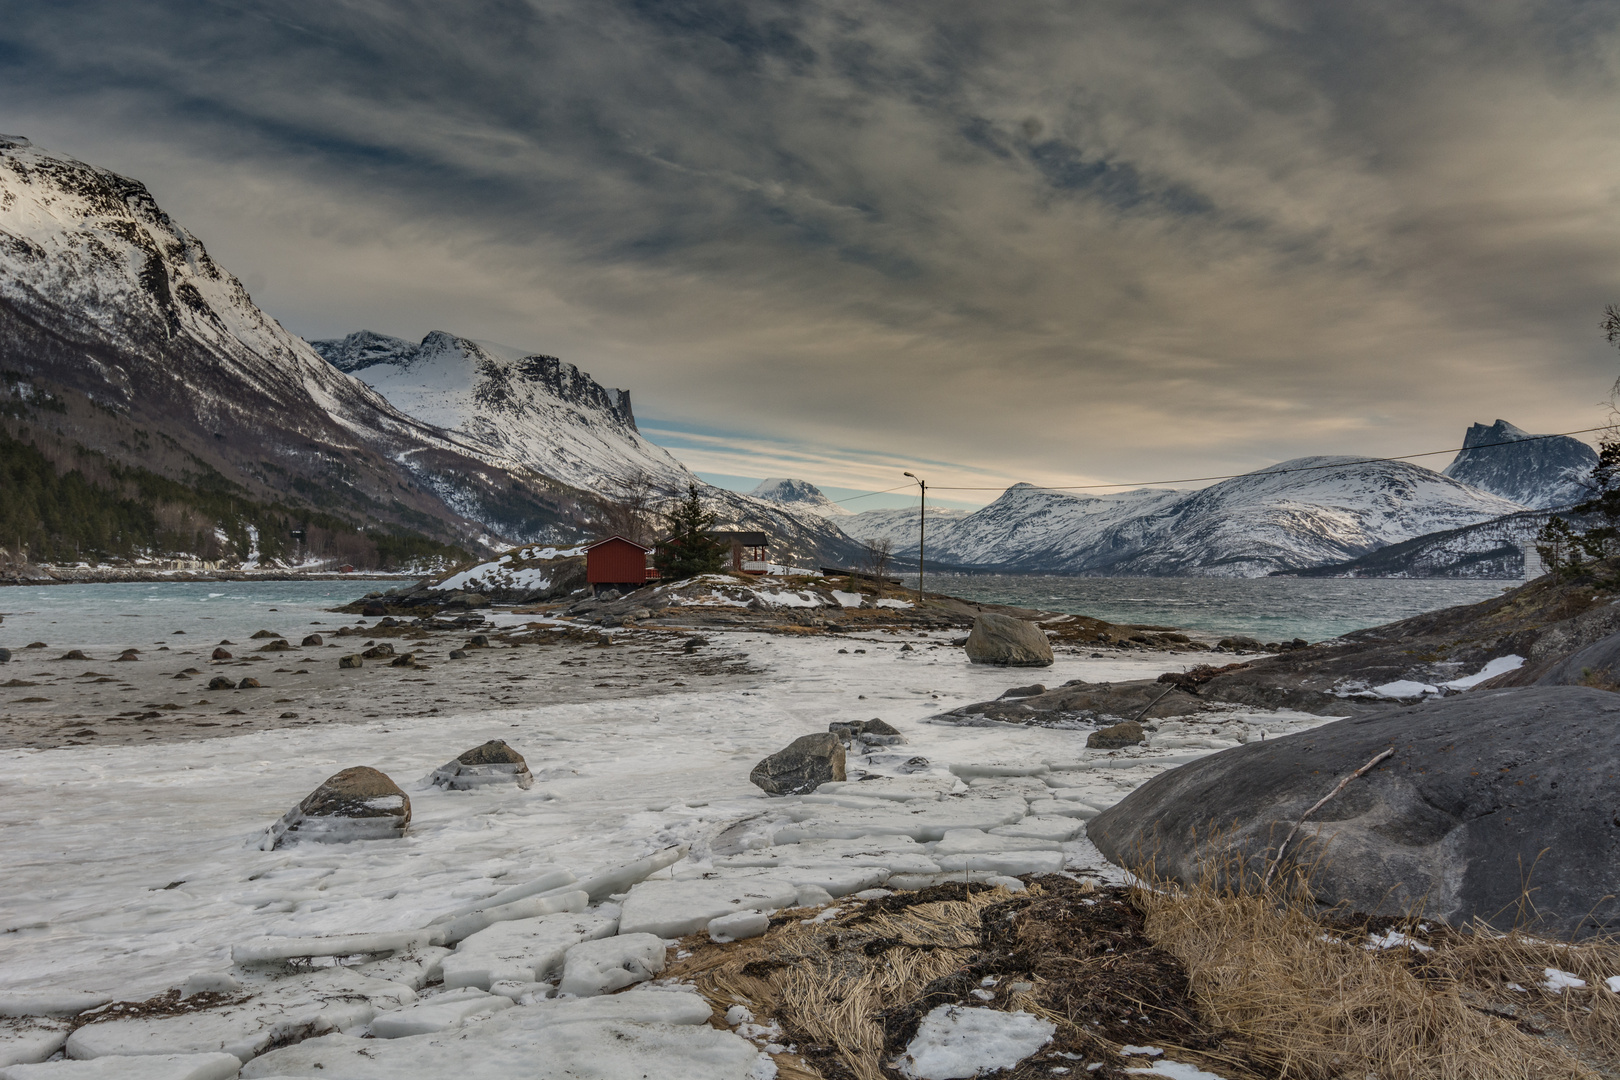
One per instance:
(1271, 609)
(145, 615)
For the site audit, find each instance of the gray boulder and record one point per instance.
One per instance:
(1008, 642)
(873, 732)
(804, 765)
(1126, 733)
(353, 660)
(492, 763)
(356, 804)
(313, 639)
(1484, 790)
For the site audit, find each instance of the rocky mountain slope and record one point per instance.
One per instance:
(158, 357)
(1296, 514)
(798, 495)
(1546, 473)
(532, 412)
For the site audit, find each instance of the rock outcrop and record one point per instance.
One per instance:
(1484, 791)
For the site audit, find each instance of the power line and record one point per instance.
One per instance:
(1234, 476)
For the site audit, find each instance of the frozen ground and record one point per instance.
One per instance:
(130, 868)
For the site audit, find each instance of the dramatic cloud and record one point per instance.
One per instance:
(1030, 240)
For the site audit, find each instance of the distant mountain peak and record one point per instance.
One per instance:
(797, 495)
(1538, 471)
(531, 410)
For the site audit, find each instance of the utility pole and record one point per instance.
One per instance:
(922, 530)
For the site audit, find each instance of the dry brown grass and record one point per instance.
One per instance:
(829, 983)
(1312, 1002)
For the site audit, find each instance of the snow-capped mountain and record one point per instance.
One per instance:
(536, 412)
(119, 310)
(1292, 515)
(1547, 473)
(523, 411)
(798, 495)
(898, 525)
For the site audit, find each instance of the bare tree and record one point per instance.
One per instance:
(875, 560)
(629, 508)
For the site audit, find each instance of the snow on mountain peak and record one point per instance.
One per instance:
(533, 411)
(797, 495)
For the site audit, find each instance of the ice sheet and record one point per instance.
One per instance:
(94, 835)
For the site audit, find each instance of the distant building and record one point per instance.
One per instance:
(748, 550)
(617, 563)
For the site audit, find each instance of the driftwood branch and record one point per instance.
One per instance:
(1323, 801)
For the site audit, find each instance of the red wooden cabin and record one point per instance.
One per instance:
(617, 563)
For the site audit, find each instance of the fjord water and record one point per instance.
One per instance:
(145, 615)
(1271, 609)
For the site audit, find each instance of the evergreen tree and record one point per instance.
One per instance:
(688, 550)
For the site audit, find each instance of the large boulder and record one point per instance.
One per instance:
(492, 763)
(1008, 642)
(1484, 791)
(1596, 665)
(356, 804)
(802, 766)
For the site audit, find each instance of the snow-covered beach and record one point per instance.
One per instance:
(132, 867)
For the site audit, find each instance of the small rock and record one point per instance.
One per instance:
(403, 660)
(35, 645)
(279, 645)
(478, 641)
(1008, 642)
(74, 654)
(458, 654)
(1127, 733)
(289, 716)
(356, 804)
(913, 765)
(353, 660)
(313, 640)
(220, 682)
(907, 647)
(380, 649)
(222, 654)
(802, 766)
(1025, 691)
(250, 684)
(5, 656)
(371, 611)
(129, 655)
(639, 613)
(695, 643)
(492, 763)
(257, 634)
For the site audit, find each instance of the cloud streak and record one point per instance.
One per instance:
(1054, 242)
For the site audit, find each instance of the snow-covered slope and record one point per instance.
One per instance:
(1292, 515)
(532, 412)
(538, 413)
(108, 300)
(898, 525)
(1546, 473)
(798, 495)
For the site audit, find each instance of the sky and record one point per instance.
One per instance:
(1057, 242)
